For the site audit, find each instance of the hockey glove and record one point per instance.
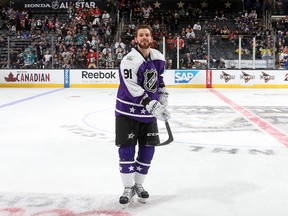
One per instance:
(158, 110)
(163, 96)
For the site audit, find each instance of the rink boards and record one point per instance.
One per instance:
(92, 78)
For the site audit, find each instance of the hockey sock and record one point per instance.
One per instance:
(127, 165)
(145, 156)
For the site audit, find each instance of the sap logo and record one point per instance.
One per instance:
(185, 76)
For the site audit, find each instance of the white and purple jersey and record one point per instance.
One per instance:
(139, 78)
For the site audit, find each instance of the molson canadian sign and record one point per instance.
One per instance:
(40, 78)
(27, 77)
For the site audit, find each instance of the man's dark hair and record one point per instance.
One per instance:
(143, 26)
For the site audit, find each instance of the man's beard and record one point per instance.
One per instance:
(144, 45)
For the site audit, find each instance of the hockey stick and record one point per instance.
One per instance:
(170, 135)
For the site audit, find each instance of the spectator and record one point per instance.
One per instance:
(266, 53)
(119, 43)
(283, 54)
(65, 55)
(197, 27)
(109, 61)
(119, 52)
(50, 25)
(110, 6)
(47, 58)
(67, 64)
(170, 45)
(137, 12)
(29, 58)
(128, 36)
(96, 14)
(106, 49)
(187, 61)
(91, 59)
(55, 60)
(220, 64)
(25, 35)
(190, 34)
(225, 32)
(209, 61)
(39, 25)
(131, 45)
(13, 58)
(176, 20)
(286, 62)
(258, 7)
(146, 11)
(105, 18)
(68, 39)
(154, 44)
(132, 26)
(80, 37)
(2, 42)
(4, 26)
(81, 60)
(101, 61)
(181, 43)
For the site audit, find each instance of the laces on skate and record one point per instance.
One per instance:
(127, 196)
(141, 192)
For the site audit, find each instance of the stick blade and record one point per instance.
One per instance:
(170, 135)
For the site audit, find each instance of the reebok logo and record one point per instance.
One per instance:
(98, 75)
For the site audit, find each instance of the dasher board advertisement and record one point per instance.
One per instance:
(94, 78)
(250, 78)
(27, 78)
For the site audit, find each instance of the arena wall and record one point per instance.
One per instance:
(86, 78)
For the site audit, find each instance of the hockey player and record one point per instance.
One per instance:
(141, 100)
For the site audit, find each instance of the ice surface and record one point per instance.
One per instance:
(57, 155)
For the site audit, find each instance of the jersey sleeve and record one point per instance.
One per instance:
(129, 77)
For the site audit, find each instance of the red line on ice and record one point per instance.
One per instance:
(278, 135)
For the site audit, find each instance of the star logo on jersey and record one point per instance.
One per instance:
(132, 110)
(131, 135)
(138, 168)
(150, 80)
(131, 168)
(143, 111)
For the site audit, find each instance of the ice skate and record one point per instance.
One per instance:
(127, 197)
(141, 192)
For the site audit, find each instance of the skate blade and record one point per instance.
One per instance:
(142, 200)
(124, 206)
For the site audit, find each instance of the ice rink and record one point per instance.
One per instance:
(229, 157)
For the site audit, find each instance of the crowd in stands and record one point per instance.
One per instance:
(89, 37)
